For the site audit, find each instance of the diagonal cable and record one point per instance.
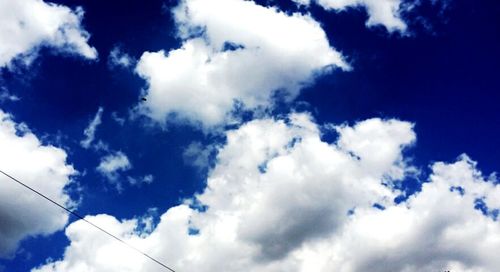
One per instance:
(85, 220)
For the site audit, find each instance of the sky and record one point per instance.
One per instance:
(232, 135)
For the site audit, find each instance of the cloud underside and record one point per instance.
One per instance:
(281, 199)
(235, 54)
(43, 167)
(28, 25)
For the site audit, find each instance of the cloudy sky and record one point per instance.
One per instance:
(235, 135)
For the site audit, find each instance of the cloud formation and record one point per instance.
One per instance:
(198, 155)
(147, 179)
(234, 54)
(118, 58)
(89, 132)
(5, 95)
(112, 164)
(380, 12)
(281, 199)
(28, 25)
(44, 168)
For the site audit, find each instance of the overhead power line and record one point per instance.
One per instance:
(85, 220)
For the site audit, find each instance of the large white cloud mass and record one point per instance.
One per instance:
(281, 199)
(43, 167)
(233, 51)
(380, 12)
(27, 25)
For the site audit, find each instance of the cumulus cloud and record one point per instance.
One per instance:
(89, 132)
(440, 228)
(281, 199)
(380, 12)
(28, 25)
(234, 53)
(43, 167)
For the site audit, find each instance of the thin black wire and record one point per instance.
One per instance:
(90, 223)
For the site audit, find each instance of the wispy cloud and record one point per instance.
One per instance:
(5, 95)
(112, 164)
(199, 156)
(117, 58)
(90, 131)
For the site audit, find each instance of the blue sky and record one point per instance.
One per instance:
(343, 110)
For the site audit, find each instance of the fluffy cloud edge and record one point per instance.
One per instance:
(223, 68)
(30, 25)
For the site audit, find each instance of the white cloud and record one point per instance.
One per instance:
(380, 12)
(244, 54)
(117, 58)
(280, 199)
(116, 162)
(27, 25)
(436, 229)
(43, 167)
(89, 132)
(112, 164)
